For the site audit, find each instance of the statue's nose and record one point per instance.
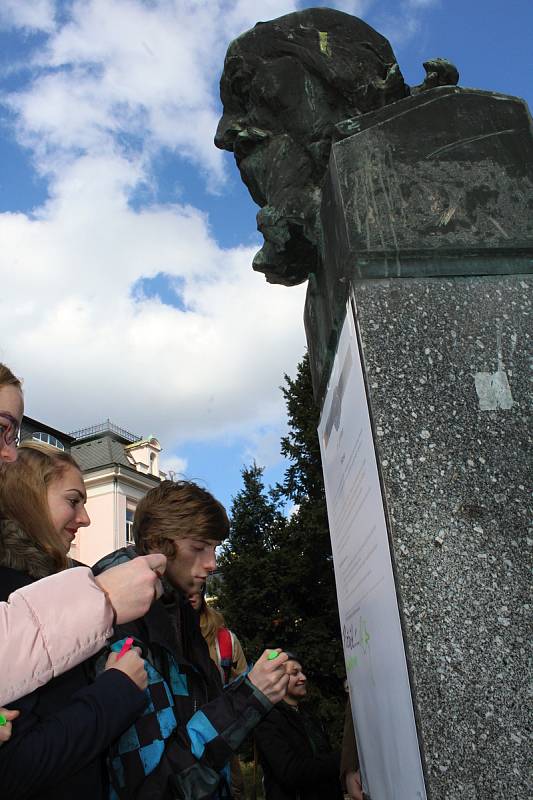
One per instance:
(228, 129)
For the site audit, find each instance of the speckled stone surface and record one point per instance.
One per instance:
(438, 354)
(426, 215)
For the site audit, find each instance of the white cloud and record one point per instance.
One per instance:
(241, 15)
(35, 15)
(263, 446)
(89, 350)
(142, 73)
(174, 466)
(400, 28)
(125, 67)
(403, 24)
(356, 7)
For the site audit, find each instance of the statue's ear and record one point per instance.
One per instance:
(439, 72)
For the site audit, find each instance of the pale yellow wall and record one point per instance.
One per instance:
(145, 456)
(121, 517)
(97, 540)
(106, 506)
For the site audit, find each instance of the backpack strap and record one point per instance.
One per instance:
(225, 650)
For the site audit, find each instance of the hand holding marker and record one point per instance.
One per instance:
(125, 647)
(132, 663)
(6, 716)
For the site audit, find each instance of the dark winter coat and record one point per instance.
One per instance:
(211, 723)
(57, 749)
(296, 757)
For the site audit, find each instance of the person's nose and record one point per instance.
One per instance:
(83, 519)
(8, 453)
(210, 561)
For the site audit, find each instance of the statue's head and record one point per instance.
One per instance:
(285, 84)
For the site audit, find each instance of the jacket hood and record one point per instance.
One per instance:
(123, 554)
(18, 551)
(182, 637)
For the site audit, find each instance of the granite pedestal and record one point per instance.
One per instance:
(427, 221)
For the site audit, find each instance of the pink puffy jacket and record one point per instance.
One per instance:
(49, 627)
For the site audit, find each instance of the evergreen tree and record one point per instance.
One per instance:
(303, 478)
(248, 593)
(278, 584)
(312, 586)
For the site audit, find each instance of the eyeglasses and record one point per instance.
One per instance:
(10, 433)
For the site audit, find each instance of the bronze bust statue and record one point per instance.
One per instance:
(285, 87)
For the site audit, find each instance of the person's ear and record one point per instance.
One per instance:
(161, 544)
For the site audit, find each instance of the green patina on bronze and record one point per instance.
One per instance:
(324, 43)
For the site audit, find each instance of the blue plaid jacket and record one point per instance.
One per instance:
(181, 745)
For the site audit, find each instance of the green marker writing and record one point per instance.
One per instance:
(272, 655)
(3, 720)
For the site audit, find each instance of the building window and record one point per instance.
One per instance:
(47, 438)
(129, 526)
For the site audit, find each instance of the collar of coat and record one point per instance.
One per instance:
(18, 551)
(171, 623)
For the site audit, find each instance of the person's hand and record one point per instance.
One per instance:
(131, 664)
(133, 586)
(270, 676)
(7, 729)
(354, 790)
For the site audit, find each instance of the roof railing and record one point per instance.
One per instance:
(105, 427)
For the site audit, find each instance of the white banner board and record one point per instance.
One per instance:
(374, 650)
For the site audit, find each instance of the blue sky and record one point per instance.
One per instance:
(126, 238)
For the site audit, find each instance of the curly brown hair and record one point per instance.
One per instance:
(175, 510)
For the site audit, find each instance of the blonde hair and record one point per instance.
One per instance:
(23, 497)
(8, 379)
(211, 621)
(174, 511)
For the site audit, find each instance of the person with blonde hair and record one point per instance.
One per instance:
(59, 741)
(53, 624)
(211, 624)
(226, 652)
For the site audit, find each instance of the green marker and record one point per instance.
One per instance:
(272, 655)
(3, 720)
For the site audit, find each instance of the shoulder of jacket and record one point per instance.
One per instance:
(119, 556)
